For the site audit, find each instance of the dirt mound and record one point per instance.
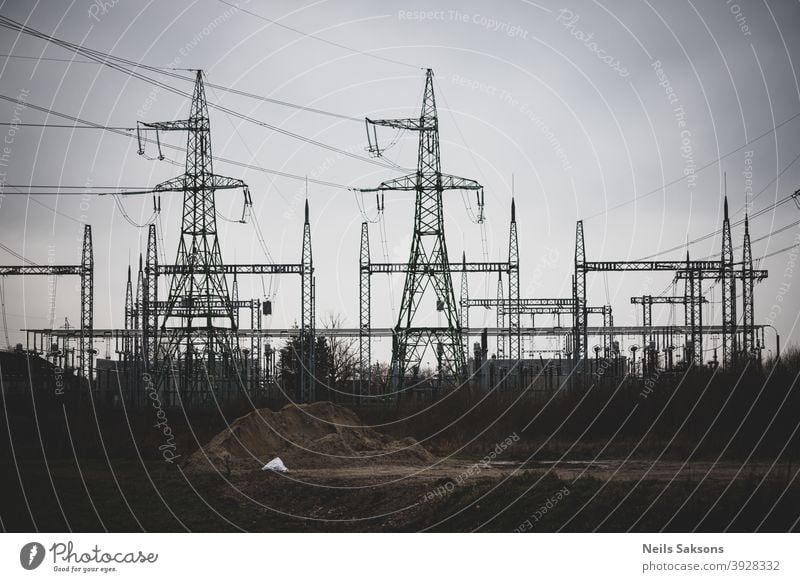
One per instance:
(321, 434)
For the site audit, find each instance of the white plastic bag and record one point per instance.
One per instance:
(275, 465)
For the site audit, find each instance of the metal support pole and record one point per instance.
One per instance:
(364, 309)
(86, 357)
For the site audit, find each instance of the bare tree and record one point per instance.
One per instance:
(344, 352)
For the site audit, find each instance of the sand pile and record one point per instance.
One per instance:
(321, 434)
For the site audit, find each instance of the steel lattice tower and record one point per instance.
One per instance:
(428, 263)
(694, 315)
(748, 313)
(307, 340)
(728, 275)
(579, 335)
(501, 320)
(197, 344)
(364, 294)
(86, 357)
(514, 339)
(127, 348)
(150, 315)
(464, 304)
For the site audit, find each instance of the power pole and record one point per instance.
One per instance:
(307, 339)
(428, 263)
(748, 313)
(150, 326)
(728, 275)
(86, 357)
(514, 338)
(200, 347)
(579, 334)
(464, 303)
(364, 324)
(501, 320)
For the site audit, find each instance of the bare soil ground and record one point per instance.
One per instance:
(343, 477)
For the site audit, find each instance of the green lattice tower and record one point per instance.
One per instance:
(198, 340)
(728, 275)
(428, 280)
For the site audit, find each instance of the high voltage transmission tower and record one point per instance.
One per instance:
(198, 343)
(428, 263)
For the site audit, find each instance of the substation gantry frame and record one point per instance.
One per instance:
(85, 271)
(693, 273)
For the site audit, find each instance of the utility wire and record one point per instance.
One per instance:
(177, 148)
(320, 39)
(33, 58)
(129, 69)
(65, 126)
(718, 231)
(701, 168)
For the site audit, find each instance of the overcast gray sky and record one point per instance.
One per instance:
(588, 105)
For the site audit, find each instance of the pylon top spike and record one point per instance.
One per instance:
(726, 207)
(306, 209)
(513, 210)
(140, 262)
(746, 223)
(129, 272)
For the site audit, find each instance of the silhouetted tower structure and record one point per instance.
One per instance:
(579, 334)
(728, 275)
(501, 320)
(138, 310)
(428, 263)
(127, 347)
(307, 340)
(150, 310)
(514, 338)
(464, 313)
(198, 329)
(364, 323)
(86, 357)
(694, 315)
(748, 280)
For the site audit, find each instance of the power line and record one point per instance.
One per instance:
(320, 39)
(47, 59)
(215, 86)
(177, 148)
(64, 126)
(697, 171)
(737, 223)
(113, 63)
(779, 251)
(79, 187)
(17, 255)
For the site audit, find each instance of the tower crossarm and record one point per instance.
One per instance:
(525, 302)
(41, 270)
(757, 274)
(410, 182)
(478, 267)
(411, 124)
(231, 269)
(677, 300)
(651, 265)
(176, 125)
